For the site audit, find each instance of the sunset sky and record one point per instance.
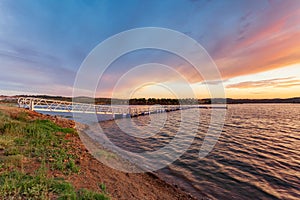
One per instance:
(254, 43)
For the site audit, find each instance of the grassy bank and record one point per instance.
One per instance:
(36, 159)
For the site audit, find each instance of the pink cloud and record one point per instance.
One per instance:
(269, 40)
(278, 82)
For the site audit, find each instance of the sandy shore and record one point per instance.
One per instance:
(119, 185)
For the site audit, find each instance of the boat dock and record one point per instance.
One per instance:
(37, 104)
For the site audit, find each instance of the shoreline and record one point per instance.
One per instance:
(120, 185)
(150, 179)
(127, 165)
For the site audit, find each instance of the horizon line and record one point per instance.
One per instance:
(204, 98)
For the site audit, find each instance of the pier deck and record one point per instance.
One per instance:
(38, 104)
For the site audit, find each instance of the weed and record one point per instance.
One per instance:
(20, 141)
(5, 142)
(21, 116)
(11, 151)
(36, 139)
(102, 187)
(72, 166)
(21, 138)
(84, 194)
(12, 161)
(16, 185)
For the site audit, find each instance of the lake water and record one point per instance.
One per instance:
(256, 157)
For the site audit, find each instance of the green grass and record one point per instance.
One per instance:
(38, 139)
(102, 186)
(17, 185)
(46, 143)
(8, 104)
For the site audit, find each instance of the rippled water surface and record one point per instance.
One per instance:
(256, 157)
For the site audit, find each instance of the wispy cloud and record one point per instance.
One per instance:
(277, 82)
(44, 42)
(215, 82)
(268, 38)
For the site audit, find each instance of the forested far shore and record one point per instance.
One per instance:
(152, 101)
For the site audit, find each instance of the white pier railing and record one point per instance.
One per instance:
(38, 104)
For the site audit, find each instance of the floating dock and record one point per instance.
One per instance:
(116, 111)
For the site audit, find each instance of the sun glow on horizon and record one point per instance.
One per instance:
(278, 83)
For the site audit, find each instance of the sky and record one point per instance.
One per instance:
(254, 44)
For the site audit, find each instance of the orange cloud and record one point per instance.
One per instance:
(271, 43)
(278, 82)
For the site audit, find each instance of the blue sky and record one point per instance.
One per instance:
(43, 43)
